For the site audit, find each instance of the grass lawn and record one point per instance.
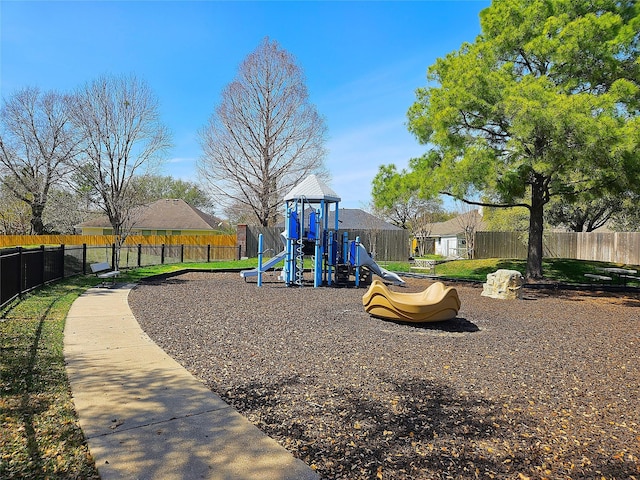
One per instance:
(39, 432)
(40, 436)
(554, 269)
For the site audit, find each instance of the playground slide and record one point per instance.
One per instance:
(367, 261)
(265, 266)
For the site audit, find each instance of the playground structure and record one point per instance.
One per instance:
(436, 303)
(334, 259)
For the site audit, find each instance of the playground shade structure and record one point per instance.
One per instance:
(434, 304)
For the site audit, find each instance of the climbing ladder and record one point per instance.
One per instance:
(299, 262)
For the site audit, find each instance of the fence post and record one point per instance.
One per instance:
(208, 253)
(43, 270)
(182, 253)
(241, 238)
(62, 259)
(162, 254)
(20, 273)
(84, 259)
(139, 255)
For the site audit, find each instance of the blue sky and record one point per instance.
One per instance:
(363, 61)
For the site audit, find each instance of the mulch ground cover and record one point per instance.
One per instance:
(543, 387)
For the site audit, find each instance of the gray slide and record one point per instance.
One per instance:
(265, 266)
(367, 261)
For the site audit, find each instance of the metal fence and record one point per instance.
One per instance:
(23, 269)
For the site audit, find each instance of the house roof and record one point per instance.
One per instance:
(164, 214)
(312, 189)
(354, 219)
(357, 219)
(455, 226)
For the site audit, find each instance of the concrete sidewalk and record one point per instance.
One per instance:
(145, 416)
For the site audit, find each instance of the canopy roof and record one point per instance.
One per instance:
(312, 189)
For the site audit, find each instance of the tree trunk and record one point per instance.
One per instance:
(37, 225)
(536, 229)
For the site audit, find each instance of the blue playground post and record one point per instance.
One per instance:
(260, 245)
(299, 275)
(357, 260)
(345, 247)
(317, 268)
(292, 236)
(331, 247)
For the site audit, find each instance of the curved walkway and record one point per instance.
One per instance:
(145, 416)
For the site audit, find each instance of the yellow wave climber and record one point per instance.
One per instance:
(434, 304)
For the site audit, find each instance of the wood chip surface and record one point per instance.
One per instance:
(544, 387)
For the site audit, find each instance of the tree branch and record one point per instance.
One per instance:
(485, 204)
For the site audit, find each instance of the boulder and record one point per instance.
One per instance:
(506, 284)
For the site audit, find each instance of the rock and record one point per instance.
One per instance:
(506, 284)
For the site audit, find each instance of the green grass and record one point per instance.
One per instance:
(554, 269)
(39, 435)
(39, 432)
(133, 275)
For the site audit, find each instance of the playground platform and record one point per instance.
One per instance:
(145, 416)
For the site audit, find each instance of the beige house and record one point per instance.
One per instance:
(453, 238)
(162, 217)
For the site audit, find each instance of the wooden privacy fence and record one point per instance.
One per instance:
(26, 240)
(389, 245)
(618, 247)
(500, 245)
(615, 247)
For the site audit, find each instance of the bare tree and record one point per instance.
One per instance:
(65, 209)
(36, 147)
(239, 213)
(421, 231)
(123, 136)
(469, 220)
(265, 135)
(15, 215)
